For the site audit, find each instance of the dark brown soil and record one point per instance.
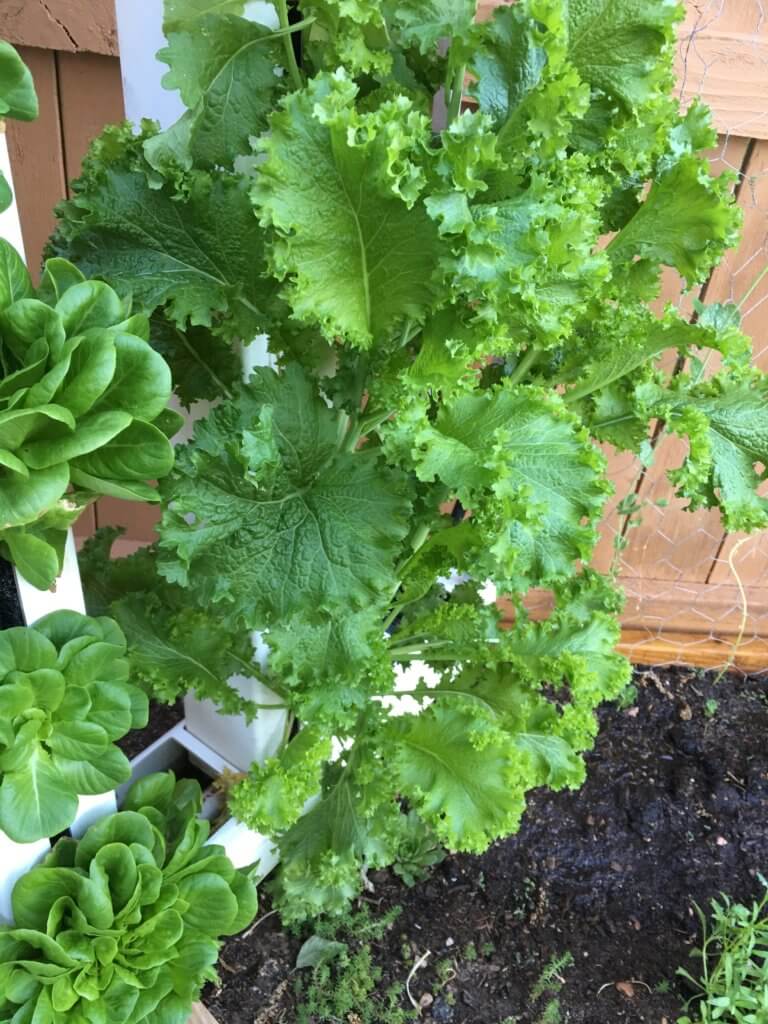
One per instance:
(674, 811)
(162, 718)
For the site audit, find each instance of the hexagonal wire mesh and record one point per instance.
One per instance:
(695, 594)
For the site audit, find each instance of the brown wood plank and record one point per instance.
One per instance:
(653, 643)
(672, 543)
(139, 520)
(67, 25)
(693, 607)
(751, 558)
(37, 158)
(694, 649)
(201, 1016)
(91, 96)
(656, 606)
(722, 57)
(86, 524)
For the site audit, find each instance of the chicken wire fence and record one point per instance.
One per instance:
(696, 595)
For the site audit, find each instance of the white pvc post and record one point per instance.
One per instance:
(15, 858)
(140, 31)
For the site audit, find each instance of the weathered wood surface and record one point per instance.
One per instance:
(69, 26)
(201, 1016)
(722, 56)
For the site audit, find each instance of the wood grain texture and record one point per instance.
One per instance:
(71, 26)
(91, 97)
(672, 543)
(721, 56)
(695, 650)
(201, 1016)
(37, 157)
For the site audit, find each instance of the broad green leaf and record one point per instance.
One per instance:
(17, 425)
(317, 951)
(141, 382)
(126, 490)
(89, 304)
(17, 91)
(9, 461)
(423, 23)
(686, 222)
(33, 803)
(226, 71)
(35, 894)
(212, 905)
(36, 559)
(139, 452)
(511, 61)
(24, 500)
(48, 686)
(6, 195)
(28, 319)
(557, 764)
(345, 273)
(15, 282)
(15, 698)
(618, 45)
(126, 827)
(201, 254)
(91, 433)
(265, 540)
(112, 770)
(91, 369)
(79, 740)
(461, 777)
(111, 709)
(158, 936)
(58, 276)
(180, 12)
(154, 790)
(25, 650)
(541, 469)
(728, 429)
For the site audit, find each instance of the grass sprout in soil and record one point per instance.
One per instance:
(593, 899)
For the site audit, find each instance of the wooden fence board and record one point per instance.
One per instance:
(37, 157)
(200, 1015)
(91, 95)
(672, 543)
(751, 560)
(722, 56)
(61, 25)
(695, 649)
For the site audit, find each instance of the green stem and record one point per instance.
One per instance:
(457, 92)
(300, 26)
(290, 55)
(526, 363)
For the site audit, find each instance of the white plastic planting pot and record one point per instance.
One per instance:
(67, 591)
(243, 846)
(239, 742)
(16, 859)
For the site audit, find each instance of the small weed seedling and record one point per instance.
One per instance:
(733, 985)
(344, 984)
(549, 983)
